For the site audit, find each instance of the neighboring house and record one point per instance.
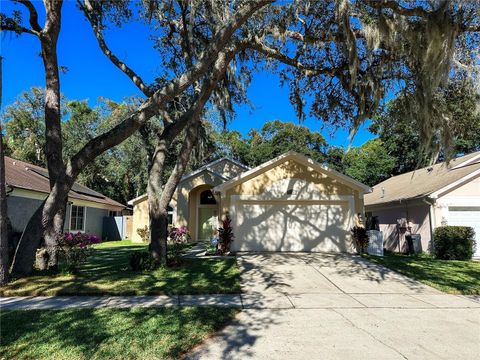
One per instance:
(419, 201)
(28, 185)
(290, 203)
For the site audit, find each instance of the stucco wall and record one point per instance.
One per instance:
(140, 219)
(467, 195)
(20, 210)
(324, 182)
(394, 237)
(94, 221)
(227, 169)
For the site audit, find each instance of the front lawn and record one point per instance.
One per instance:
(107, 273)
(450, 276)
(138, 333)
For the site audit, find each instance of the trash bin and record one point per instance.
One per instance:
(414, 242)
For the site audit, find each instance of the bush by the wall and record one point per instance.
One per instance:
(454, 242)
(144, 234)
(360, 237)
(142, 260)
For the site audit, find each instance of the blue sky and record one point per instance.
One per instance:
(91, 75)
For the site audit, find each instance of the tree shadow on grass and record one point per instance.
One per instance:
(108, 333)
(450, 276)
(107, 272)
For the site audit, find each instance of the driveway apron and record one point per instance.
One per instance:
(325, 306)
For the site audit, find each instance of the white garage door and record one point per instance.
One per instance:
(466, 216)
(291, 226)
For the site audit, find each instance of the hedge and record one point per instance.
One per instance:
(454, 242)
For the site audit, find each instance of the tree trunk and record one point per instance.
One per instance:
(158, 201)
(3, 216)
(3, 205)
(24, 257)
(54, 229)
(45, 220)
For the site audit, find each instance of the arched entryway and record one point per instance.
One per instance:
(203, 214)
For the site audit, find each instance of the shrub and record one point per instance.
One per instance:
(178, 237)
(144, 234)
(212, 247)
(142, 261)
(454, 242)
(76, 248)
(360, 236)
(225, 236)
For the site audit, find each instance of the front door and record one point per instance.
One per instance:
(207, 216)
(207, 222)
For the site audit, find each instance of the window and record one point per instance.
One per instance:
(77, 218)
(170, 215)
(207, 198)
(113, 213)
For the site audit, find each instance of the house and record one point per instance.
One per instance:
(290, 203)
(28, 185)
(419, 201)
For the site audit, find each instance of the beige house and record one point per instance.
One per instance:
(419, 201)
(290, 203)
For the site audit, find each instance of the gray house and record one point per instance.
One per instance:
(87, 210)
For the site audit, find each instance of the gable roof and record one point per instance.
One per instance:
(292, 155)
(208, 167)
(197, 172)
(428, 181)
(22, 175)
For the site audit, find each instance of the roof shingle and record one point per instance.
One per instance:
(423, 182)
(19, 174)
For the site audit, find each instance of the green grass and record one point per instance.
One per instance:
(450, 276)
(138, 333)
(107, 273)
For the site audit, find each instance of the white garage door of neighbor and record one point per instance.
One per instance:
(466, 216)
(291, 226)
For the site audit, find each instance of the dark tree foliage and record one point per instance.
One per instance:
(273, 139)
(401, 138)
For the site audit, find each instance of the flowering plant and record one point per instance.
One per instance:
(178, 237)
(76, 248)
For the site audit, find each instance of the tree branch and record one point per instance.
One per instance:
(17, 29)
(137, 80)
(470, 28)
(160, 98)
(33, 18)
(272, 53)
(397, 8)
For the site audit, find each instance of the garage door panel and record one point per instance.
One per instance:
(291, 227)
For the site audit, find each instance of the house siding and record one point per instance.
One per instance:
(20, 210)
(394, 237)
(466, 195)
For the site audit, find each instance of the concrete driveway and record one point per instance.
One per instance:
(323, 306)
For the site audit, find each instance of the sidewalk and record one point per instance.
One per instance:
(68, 302)
(257, 301)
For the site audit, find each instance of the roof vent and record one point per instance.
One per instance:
(383, 192)
(14, 162)
(430, 168)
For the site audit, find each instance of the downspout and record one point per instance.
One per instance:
(431, 218)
